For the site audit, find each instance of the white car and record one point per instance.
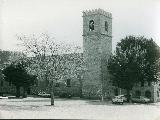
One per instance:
(1, 97)
(124, 97)
(43, 94)
(117, 99)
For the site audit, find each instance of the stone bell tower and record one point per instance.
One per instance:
(97, 44)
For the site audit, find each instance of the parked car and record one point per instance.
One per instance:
(65, 95)
(117, 99)
(44, 94)
(1, 97)
(124, 97)
(140, 99)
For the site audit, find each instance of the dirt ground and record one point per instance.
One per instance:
(39, 108)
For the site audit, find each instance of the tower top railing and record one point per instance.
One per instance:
(97, 11)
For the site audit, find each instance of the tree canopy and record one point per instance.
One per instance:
(17, 75)
(134, 61)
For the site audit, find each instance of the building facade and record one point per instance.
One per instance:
(97, 45)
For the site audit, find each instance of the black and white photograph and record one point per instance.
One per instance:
(80, 59)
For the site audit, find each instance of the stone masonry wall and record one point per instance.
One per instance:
(97, 46)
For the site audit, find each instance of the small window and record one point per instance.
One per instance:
(106, 26)
(91, 25)
(68, 82)
(57, 85)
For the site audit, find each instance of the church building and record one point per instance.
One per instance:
(97, 49)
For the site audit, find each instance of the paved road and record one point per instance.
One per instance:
(76, 109)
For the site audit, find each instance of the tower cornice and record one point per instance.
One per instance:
(97, 11)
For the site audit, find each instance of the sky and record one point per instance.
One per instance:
(63, 19)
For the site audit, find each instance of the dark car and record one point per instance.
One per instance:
(65, 95)
(140, 99)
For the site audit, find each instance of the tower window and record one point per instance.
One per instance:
(106, 26)
(91, 25)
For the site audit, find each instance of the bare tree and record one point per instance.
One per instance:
(48, 58)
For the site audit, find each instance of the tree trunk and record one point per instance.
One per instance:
(128, 95)
(52, 94)
(81, 95)
(102, 91)
(102, 94)
(102, 98)
(18, 91)
(24, 92)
